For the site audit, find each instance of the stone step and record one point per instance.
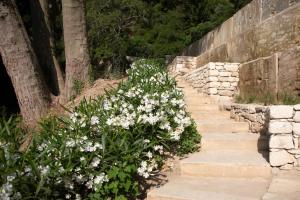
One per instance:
(226, 163)
(234, 141)
(284, 185)
(212, 126)
(187, 188)
(209, 115)
(198, 100)
(202, 107)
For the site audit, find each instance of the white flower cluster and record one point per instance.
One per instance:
(96, 181)
(6, 190)
(164, 108)
(146, 168)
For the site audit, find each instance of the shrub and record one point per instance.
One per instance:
(107, 148)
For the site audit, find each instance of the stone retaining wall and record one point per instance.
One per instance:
(281, 123)
(182, 64)
(284, 130)
(255, 115)
(218, 80)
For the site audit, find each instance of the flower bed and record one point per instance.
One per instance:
(107, 148)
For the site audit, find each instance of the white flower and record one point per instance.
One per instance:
(68, 196)
(94, 120)
(97, 145)
(95, 162)
(146, 141)
(100, 179)
(77, 197)
(82, 159)
(44, 170)
(149, 154)
(70, 143)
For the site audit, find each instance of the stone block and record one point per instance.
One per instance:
(228, 93)
(297, 107)
(212, 91)
(280, 158)
(224, 79)
(234, 84)
(294, 151)
(212, 78)
(214, 84)
(233, 79)
(225, 84)
(213, 73)
(276, 127)
(287, 167)
(235, 74)
(231, 68)
(219, 67)
(281, 142)
(296, 142)
(281, 112)
(297, 117)
(296, 129)
(225, 74)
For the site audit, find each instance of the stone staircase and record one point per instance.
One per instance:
(231, 164)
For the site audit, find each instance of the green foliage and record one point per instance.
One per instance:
(269, 99)
(289, 99)
(106, 148)
(149, 29)
(78, 86)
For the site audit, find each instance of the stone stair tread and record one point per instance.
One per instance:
(227, 157)
(234, 141)
(219, 121)
(240, 136)
(207, 188)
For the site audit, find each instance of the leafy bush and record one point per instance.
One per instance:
(106, 148)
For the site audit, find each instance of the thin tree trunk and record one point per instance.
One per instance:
(76, 47)
(21, 65)
(43, 43)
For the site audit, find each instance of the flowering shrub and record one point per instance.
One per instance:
(107, 148)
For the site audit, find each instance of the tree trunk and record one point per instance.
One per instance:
(43, 44)
(76, 47)
(21, 65)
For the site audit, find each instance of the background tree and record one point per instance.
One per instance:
(76, 46)
(21, 64)
(149, 28)
(43, 43)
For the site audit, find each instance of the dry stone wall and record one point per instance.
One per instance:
(255, 115)
(218, 80)
(281, 123)
(182, 64)
(284, 130)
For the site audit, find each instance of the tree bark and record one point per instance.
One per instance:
(43, 44)
(76, 47)
(21, 65)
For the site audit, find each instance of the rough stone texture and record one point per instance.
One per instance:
(280, 158)
(289, 72)
(281, 142)
(284, 132)
(278, 127)
(258, 78)
(297, 107)
(296, 128)
(281, 112)
(263, 28)
(255, 115)
(215, 80)
(282, 137)
(182, 64)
